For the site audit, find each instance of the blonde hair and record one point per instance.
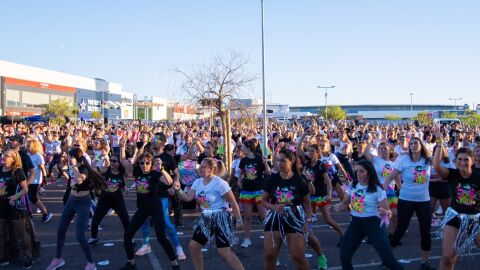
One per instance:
(17, 160)
(35, 147)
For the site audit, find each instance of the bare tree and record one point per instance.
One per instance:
(217, 83)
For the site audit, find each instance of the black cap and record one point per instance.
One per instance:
(16, 138)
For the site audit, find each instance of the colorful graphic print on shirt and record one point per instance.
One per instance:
(419, 175)
(112, 185)
(465, 194)
(358, 201)
(310, 175)
(329, 167)
(387, 170)
(202, 200)
(3, 187)
(250, 172)
(283, 195)
(142, 185)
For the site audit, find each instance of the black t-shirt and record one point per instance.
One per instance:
(147, 186)
(290, 191)
(8, 183)
(26, 162)
(315, 174)
(356, 157)
(168, 162)
(114, 183)
(465, 193)
(253, 169)
(72, 183)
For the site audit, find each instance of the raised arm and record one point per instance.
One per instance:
(437, 157)
(366, 152)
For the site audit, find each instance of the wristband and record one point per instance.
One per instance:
(179, 191)
(239, 221)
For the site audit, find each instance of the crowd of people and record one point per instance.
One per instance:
(381, 174)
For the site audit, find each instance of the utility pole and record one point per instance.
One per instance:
(326, 99)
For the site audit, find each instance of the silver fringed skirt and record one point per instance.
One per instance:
(467, 232)
(290, 220)
(212, 220)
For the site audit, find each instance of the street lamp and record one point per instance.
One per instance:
(455, 101)
(265, 138)
(411, 105)
(326, 100)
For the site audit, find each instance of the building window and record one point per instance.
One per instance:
(13, 98)
(35, 100)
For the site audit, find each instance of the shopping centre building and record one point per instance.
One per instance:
(27, 90)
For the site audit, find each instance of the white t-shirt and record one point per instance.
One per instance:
(53, 147)
(415, 177)
(383, 168)
(365, 204)
(236, 167)
(210, 196)
(433, 172)
(329, 164)
(399, 150)
(37, 160)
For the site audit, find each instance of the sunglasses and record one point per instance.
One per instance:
(114, 161)
(145, 163)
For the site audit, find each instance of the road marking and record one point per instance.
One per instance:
(419, 259)
(154, 260)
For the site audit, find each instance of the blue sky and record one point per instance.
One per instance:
(374, 52)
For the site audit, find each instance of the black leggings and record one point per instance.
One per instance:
(177, 209)
(345, 163)
(360, 228)
(57, 159)
(159, 224)
(105, 203)
(405, 210)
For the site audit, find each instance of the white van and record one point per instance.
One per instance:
(446, 121)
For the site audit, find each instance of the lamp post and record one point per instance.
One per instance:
(411, 105)
(455, 101)
(326, 99)
(265, 138)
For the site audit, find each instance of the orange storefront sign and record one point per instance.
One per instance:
(40, 85)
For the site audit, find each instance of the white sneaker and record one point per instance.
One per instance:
(180, 254)
(246, 243)
(144, 249)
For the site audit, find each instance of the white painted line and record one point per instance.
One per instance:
(419, 259)
(154, 261)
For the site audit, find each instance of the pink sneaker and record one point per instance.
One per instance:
(145, 249)
(56, 263)
(90, 266)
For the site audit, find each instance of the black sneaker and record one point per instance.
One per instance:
(28, 263)
(426, 266)
(129, 266)
(47, 217)
(340, 241)
(4, 262)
